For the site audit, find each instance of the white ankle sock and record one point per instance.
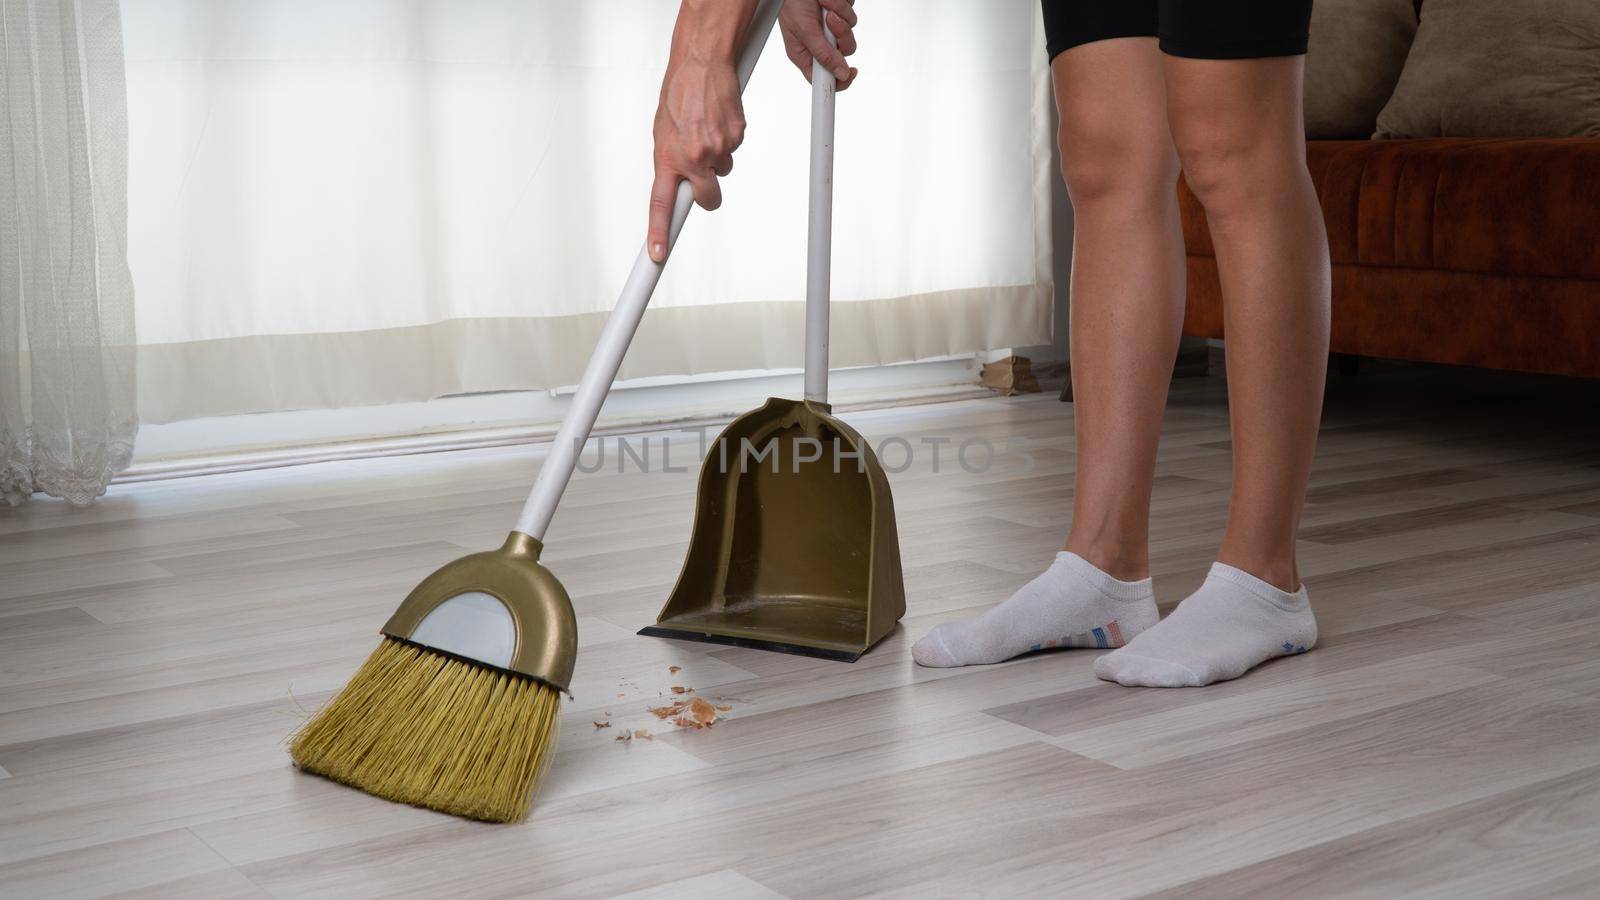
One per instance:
(1232, 624)
(1072, 604)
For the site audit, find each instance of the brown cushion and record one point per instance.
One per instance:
(1509, 207)
(1357, 50)
(1492, 68)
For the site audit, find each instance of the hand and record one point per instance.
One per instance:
(699, 123)
(801, 24)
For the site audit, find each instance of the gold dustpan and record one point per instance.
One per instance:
(794, 545)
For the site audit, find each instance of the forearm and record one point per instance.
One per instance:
(710, 31)
(699, 120)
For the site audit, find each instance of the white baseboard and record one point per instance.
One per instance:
(267, 440)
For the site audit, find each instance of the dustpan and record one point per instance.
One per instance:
(794, 545)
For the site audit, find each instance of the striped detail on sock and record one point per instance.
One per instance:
(1116, 633)
(1105, 637)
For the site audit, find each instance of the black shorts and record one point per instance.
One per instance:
(1202, 29)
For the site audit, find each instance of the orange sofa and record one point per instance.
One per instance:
(1473, 252)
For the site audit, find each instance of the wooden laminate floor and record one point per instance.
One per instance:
(1443, 740)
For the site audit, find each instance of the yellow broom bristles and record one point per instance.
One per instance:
(431, 730)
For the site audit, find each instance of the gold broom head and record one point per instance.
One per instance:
(431, 728)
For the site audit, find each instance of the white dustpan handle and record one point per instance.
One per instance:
(620, 326)
(819, 237)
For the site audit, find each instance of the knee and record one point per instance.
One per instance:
(1106, 166)
(1232, 172)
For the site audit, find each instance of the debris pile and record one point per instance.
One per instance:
(696, 713)
(684, 712)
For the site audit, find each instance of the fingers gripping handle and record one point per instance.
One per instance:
(819, 235)
(620, 327)
(755, 40)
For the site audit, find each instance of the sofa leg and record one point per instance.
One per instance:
(1194, 359)
(1346, 363)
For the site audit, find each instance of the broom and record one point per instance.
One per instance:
(457, 709)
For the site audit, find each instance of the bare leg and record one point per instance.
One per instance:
(1127, 309)
(1127, 288)
(1239, 131)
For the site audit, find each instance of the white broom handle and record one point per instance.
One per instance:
(819, 237)
(620, 327)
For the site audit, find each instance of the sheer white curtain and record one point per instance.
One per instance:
(344, 202)
(67, 416)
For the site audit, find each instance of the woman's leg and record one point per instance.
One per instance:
(1121, 170)
(1238, 127)
(1127, 310)
(1241, 135)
